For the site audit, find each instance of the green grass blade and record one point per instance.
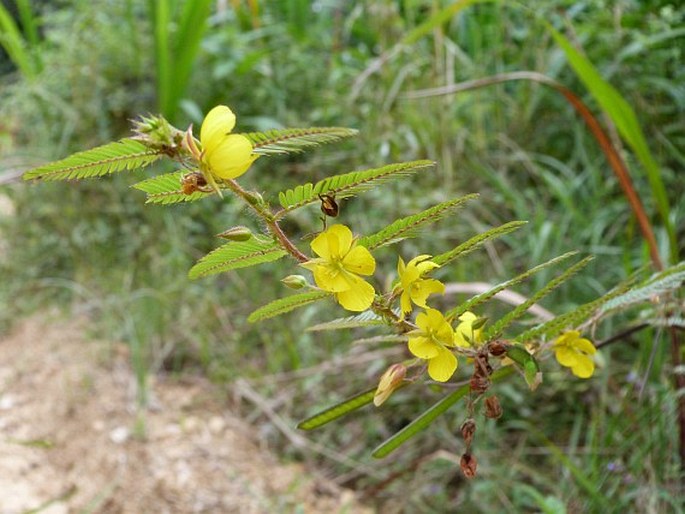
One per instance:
(122, 155)
(410, 225)
(186, 45)
(287, 304)
(625, 119)
(476, 242)
(15, 45)
(497, 328)
(437, 410)
(337, 411)
(159, 12)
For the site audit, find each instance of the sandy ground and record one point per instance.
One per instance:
(69, 443)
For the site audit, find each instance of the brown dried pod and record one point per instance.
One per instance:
(481, 366)
(468, 465)
(468, 429)
(479, 383)
(497, 348)
(493, 409)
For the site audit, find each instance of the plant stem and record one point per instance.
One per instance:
(262, 210)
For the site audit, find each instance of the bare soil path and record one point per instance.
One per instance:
(68, 439)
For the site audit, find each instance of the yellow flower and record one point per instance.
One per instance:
(224, 155)
(575, 352)
(339, 265)
(430, 342)
(414, 288)
(392, 379)
(465, 335)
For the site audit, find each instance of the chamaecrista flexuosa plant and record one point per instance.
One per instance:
(438, 341)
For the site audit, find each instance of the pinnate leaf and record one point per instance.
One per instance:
(236, 255)
(126, 154)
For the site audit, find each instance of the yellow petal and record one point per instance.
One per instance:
(218, 123)
(320, 246)
(359, 260)
(567, 338)
(418, 259)
(584, 367)
(443, 366)
(423, 288)
(359, 297)
(585, 346)
(343, 236)
(231, 157)
(330, 278)
(423, 348)
(566, 356)
(405, 302)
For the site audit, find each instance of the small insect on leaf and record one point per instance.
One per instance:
(329, 206)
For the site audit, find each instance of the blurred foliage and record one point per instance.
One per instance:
(295, 63)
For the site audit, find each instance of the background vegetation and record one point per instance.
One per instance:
(76, 72)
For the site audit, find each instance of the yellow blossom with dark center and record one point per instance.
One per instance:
(430, 341)
(341, 260)
(575, 352)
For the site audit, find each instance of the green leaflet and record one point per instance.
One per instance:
(365, 319)
(433, 413)
(337, 411)
(236, 255)
(348, 184)
(476, 242)
(287, 304)
(487, 295)
(408, 227)
(166, 189)
(497, 328)
(668, 280)
(295, 140)
(570, 319)
(125, 154)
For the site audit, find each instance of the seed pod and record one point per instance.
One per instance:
(493, 409)
(468, 465)
(329, 206)
(236, 234)
(479, 383)
(497, 348)
(468, 429)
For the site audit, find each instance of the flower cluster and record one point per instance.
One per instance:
(341, 263)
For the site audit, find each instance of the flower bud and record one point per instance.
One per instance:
(468, 429)
(236, 234)
(493, 409)
(479, 383)
(468, 465)
(295, 281)
(391, 380)
(157, 132)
